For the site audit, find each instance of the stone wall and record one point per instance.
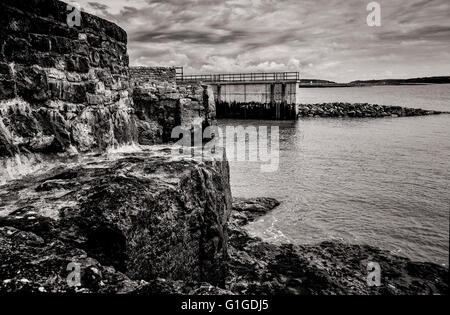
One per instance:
(162, 104)
(149, 74)
(61, 87)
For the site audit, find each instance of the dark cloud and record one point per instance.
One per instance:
(188, 36)
(428, 33)
(326, 39)
(98, 6)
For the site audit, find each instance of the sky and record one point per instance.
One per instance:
(322, 39)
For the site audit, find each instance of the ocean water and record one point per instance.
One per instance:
(383, 182)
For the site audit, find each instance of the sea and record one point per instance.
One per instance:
(376, 181)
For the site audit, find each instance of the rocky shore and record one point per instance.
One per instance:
(360, 110)
(38, 241)
(257, 267)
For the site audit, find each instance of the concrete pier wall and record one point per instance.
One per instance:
(256, 100)
(256, 92)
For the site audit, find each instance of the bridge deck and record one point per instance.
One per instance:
(241, 77)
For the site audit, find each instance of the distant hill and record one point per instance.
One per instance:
(426, 80)
(320, 83)
(315, 81)
(412, 81)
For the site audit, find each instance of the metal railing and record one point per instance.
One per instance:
(241, 77)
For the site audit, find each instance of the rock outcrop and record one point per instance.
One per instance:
(139, 216)
(359, 110)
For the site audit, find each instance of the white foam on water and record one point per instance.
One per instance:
(19, 166)
(124, 148)
(72, 151)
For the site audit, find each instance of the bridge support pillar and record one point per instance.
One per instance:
(272, 93)
(273, 103)
(283, 99)
(219, 93)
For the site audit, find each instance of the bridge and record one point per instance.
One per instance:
(265, 95)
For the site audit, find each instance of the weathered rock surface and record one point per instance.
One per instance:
(257, 267)
(142, 216)
(359, 110)
(248, 210)
(33, 264)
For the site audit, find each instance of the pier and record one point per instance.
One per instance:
(273, 95)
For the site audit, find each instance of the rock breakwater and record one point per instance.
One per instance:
(360, 110)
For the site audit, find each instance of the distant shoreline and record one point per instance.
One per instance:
(313, 83)
(368, 85)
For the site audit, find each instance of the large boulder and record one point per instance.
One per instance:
(148, 215)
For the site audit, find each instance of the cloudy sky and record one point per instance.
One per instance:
(323, 39)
